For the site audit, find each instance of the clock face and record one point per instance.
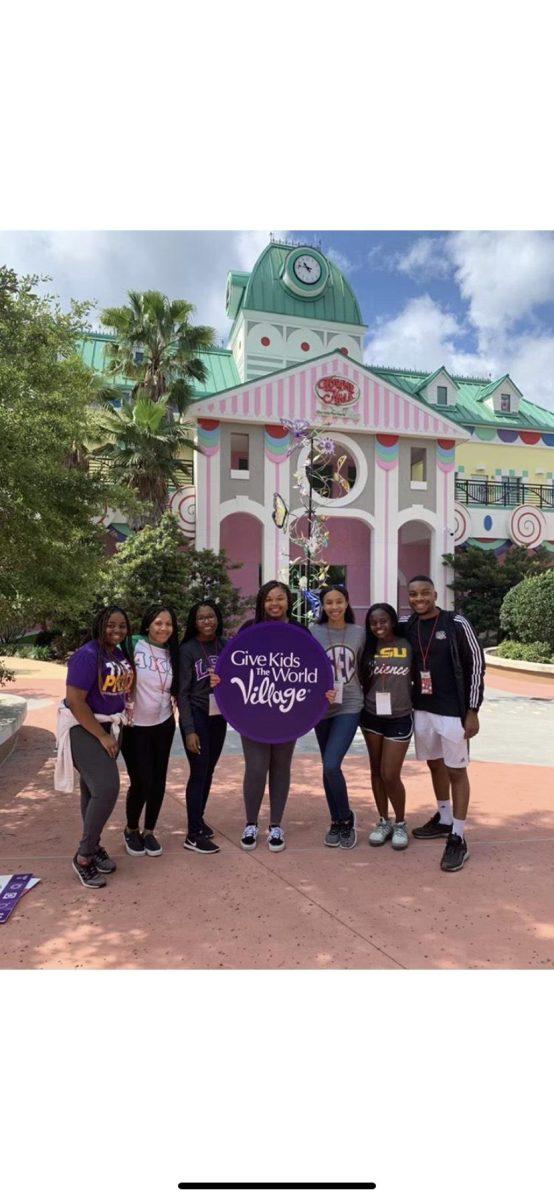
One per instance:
(307, 269)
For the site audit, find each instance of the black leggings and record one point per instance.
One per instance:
(211, 733)
(146, 750)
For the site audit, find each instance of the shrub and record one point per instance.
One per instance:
(6, 676)
(481, 581)
(527, 612)
(538, 652)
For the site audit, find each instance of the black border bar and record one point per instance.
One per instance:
(273, 1187)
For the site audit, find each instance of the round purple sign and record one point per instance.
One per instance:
(274, 676)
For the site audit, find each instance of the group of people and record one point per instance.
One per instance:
(423, 675)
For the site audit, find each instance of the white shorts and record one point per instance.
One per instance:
(440, 737)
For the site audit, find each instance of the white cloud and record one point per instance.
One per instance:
(425, 258)
(503, 276)
(343, 263)
(422, 336)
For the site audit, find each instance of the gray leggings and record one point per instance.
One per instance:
(99, 777)
(261, 759)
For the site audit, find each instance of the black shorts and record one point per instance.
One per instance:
(394, 729)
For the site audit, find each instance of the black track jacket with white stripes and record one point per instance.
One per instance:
(468, 659)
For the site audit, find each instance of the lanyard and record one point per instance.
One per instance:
(425, 654)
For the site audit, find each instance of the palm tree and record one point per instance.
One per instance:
(140, 444)
(156, 347)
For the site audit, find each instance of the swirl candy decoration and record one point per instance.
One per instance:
(183, 506)
(463, 524)
(527, 526)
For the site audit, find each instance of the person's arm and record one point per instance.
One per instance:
(186, 677)
(473, 666)
(76, 700)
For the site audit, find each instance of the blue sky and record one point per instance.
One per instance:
(479, 302)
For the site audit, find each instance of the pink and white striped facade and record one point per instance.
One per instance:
(378, 430)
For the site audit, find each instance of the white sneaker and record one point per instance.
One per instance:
(249, 839)
(399, 836)
(275, 838)
(381, 833)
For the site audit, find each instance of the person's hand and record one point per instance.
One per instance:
(109, 744)
(192, 742)
(214, 679)
(330, 695)
(471, 724)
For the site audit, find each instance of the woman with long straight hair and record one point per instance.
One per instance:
(387, 719)
(147, 739)
(263, 760)
(100, 677)
(203, 728)
(343, 642)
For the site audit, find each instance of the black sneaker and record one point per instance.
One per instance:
(151, 845)
(455, 853)
(433, 828)
(332, 837)
(134, 843)
(275, 838)
(207, 830)
(202, 845)
(88, 874)
(103, 863)
(249, 839)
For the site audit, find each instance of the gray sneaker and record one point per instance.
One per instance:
(381, 833)
(332, 837)
(347, 834)
(399, 836)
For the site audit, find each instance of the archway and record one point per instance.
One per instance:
(241, 536)
(414, 555)
(348, 553)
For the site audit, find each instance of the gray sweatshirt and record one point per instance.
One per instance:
(343, 648)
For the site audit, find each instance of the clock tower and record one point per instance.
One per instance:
(294, 305)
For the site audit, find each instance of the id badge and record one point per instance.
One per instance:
(382, 704)
(214, 707)
(426, 684)
(338, 687)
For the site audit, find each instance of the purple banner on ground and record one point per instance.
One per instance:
(273, 682)
(10, 895)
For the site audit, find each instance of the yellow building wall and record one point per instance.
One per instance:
(537, 461)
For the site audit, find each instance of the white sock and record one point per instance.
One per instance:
(458, 827)
(445, 809)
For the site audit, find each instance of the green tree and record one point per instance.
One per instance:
(156, 347)
(156, 564)
(481, 581)
(527, 613)
(142, 447)
(50, 549)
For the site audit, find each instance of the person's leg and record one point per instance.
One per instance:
(217, 730)
(392, 759)
(374, 743)
(440, 779)
(100, 775)
(341, 735)
(256, 767)
(459, 782)
(199, 766)
(429, 748)
(136, 753)
(280, 760)
(322, 731)
(161, 741)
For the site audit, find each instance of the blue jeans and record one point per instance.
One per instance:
(335, 735)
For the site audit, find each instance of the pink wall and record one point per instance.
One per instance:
(241, 538)
(350, 546)
(414, 554)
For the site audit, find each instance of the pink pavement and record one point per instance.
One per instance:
(309, 907)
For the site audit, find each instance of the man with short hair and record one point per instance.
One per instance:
(449, 680)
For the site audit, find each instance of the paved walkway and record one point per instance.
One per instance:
(310, 906)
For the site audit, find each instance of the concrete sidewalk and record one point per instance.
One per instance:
(310, 906)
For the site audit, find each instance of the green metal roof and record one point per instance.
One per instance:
(470, 408)
(221, 371)
(265, 292)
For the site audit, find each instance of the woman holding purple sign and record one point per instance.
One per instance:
(203, 728)
(343, 642)
(100, 677)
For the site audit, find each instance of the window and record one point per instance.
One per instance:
(239, 456)
(138, 357)
(418, 467)
(505, 402)
(442, 394)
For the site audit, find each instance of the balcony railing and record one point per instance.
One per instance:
(507, 494)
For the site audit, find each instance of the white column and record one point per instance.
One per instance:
(276, 543)
(442, 541)
(207, 469)
(384, 546)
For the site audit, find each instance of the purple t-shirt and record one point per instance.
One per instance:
(105, 679)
